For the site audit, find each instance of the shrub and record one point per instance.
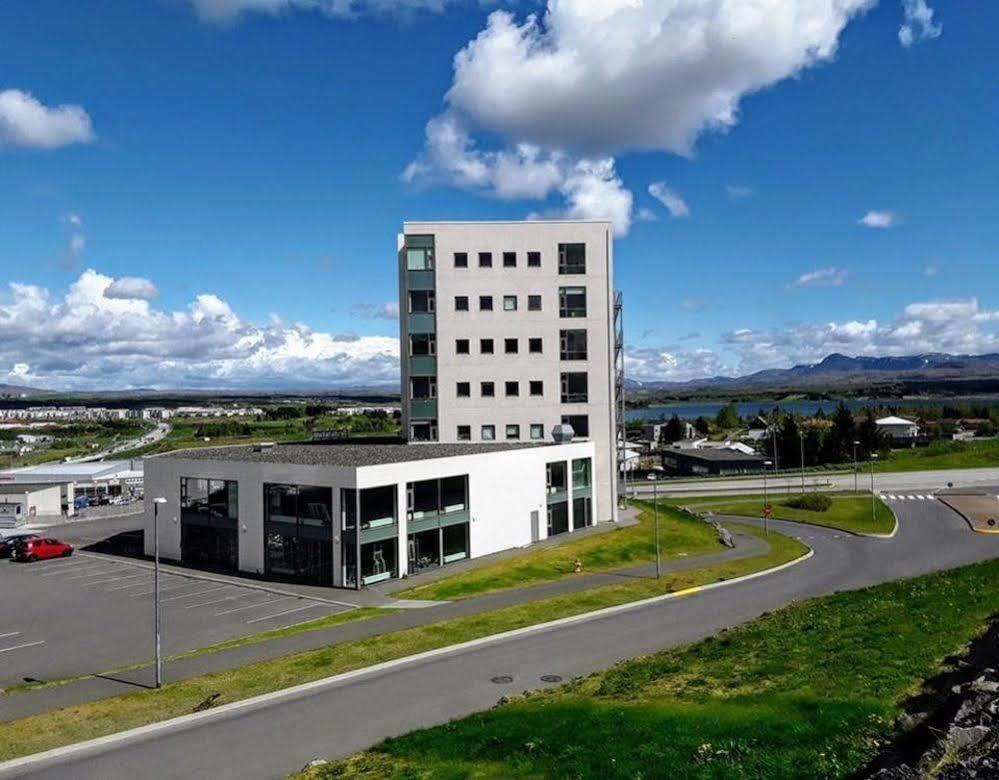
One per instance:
(813, 502)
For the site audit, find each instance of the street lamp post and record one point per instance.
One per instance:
(874, 457)
(856, 489)
(766, 503)
(156, 587)
(801, 442)
(655, 514)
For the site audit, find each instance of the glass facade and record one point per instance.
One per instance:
(571, 301)
(298, 532)
(209, 519)
(437, 513)
(558, 518)
(582, 471)
(572, 258)
(582, 512)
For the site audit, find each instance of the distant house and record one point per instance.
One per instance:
(711, 461)
(898, 429)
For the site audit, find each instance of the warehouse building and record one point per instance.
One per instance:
(714, 462)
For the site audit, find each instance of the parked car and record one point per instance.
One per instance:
(8, 543)
(81, 502)
(41, 548)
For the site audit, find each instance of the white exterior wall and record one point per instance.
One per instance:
(41, 502)
(497, 281)
(503, 489)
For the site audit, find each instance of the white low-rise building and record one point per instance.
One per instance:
(897, 428)
(351, 514)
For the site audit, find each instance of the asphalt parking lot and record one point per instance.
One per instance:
(90, 614)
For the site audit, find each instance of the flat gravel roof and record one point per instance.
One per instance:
(349, 454)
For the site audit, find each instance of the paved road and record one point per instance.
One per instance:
(278, 736)
(883, 482)
(156, 434)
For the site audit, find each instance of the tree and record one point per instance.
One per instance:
(869, 436)
(672, 431)
(838, 444)
(701, 425)
(728, 417)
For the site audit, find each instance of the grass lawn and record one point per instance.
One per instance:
(802, 692)
(944, 455)
(627, 546)
(849, 511)
(86, 721)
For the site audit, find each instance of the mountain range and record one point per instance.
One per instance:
(838, 371)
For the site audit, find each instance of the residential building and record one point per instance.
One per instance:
(508, 330)
(717, 462)
(898, 429)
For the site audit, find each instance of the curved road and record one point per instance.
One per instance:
(279, 736)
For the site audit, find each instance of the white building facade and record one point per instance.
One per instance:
(508, 330)
(350, 515)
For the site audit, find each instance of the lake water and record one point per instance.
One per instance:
(692, 410)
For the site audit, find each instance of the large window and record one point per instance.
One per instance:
(423, 387)
(558, 518)
(455, 542)
(421, 301)
(580, 423)
(378, 561)
(348, 508)
(572, 344)
(422, 344)
(298, 532)
(582, 512)
(581, 473)
(432, 497)
(555, 477)
(209, 513)
(378, 507)
(572, 302)
(419, 259)
(572, 258)
(575, 387)
(423, 431)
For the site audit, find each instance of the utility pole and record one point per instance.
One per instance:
(801, 441)
(766, 503)
(874, 457)
(655, 514)
(156, 587)
(856, 475)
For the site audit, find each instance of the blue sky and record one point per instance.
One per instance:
(207, 192)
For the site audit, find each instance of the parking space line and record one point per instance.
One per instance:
(170, 589)
(251, 606)
(114, 579)
(12, 633)
(130, 585)
(92, 573)
(218, 601)
(20, 647)
(286, 612)
(196, 593)
(52, 570)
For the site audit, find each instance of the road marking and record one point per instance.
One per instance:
(12, 633)
(921, 498)
(891, 497)
(21, 647)
(171, 589)
(93, 573)
(52, 570)
(114, 579)
(286, 612)
(129, 585)
(251, 606)
(216, 601)
(196, 593)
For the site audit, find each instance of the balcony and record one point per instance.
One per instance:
(422, 365)
(423, 409)
(422, 322)
(420, 280)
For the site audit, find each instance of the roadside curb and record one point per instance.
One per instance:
(862, 534)
(180, 722)
(194, 575)
(971, 525)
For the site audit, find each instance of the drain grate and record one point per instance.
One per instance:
(502, 679)
(551, 678)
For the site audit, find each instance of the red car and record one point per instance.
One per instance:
(41, 548)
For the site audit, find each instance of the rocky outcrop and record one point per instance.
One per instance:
(950, 731)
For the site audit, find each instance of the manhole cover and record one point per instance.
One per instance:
(502, 679)
(550, 678)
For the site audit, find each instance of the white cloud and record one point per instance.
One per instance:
(737, 191)
(27, 123)
(822, 277)
(77, 243)
(918, 24)
(590, 188)
(692, 304)
(647, 365)
(603, 77)
(675, 205)
(960, 326)
(73, 220)
(930, 270)
(879, 219)
(228, 11)
(86, 339)
(131, 288)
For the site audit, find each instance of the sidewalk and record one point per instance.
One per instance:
(18, 705)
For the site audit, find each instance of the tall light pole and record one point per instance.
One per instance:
(156, 587)
(874, 457)
(766, 503)
(655, 514)
(801, 441)
(856, 489)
